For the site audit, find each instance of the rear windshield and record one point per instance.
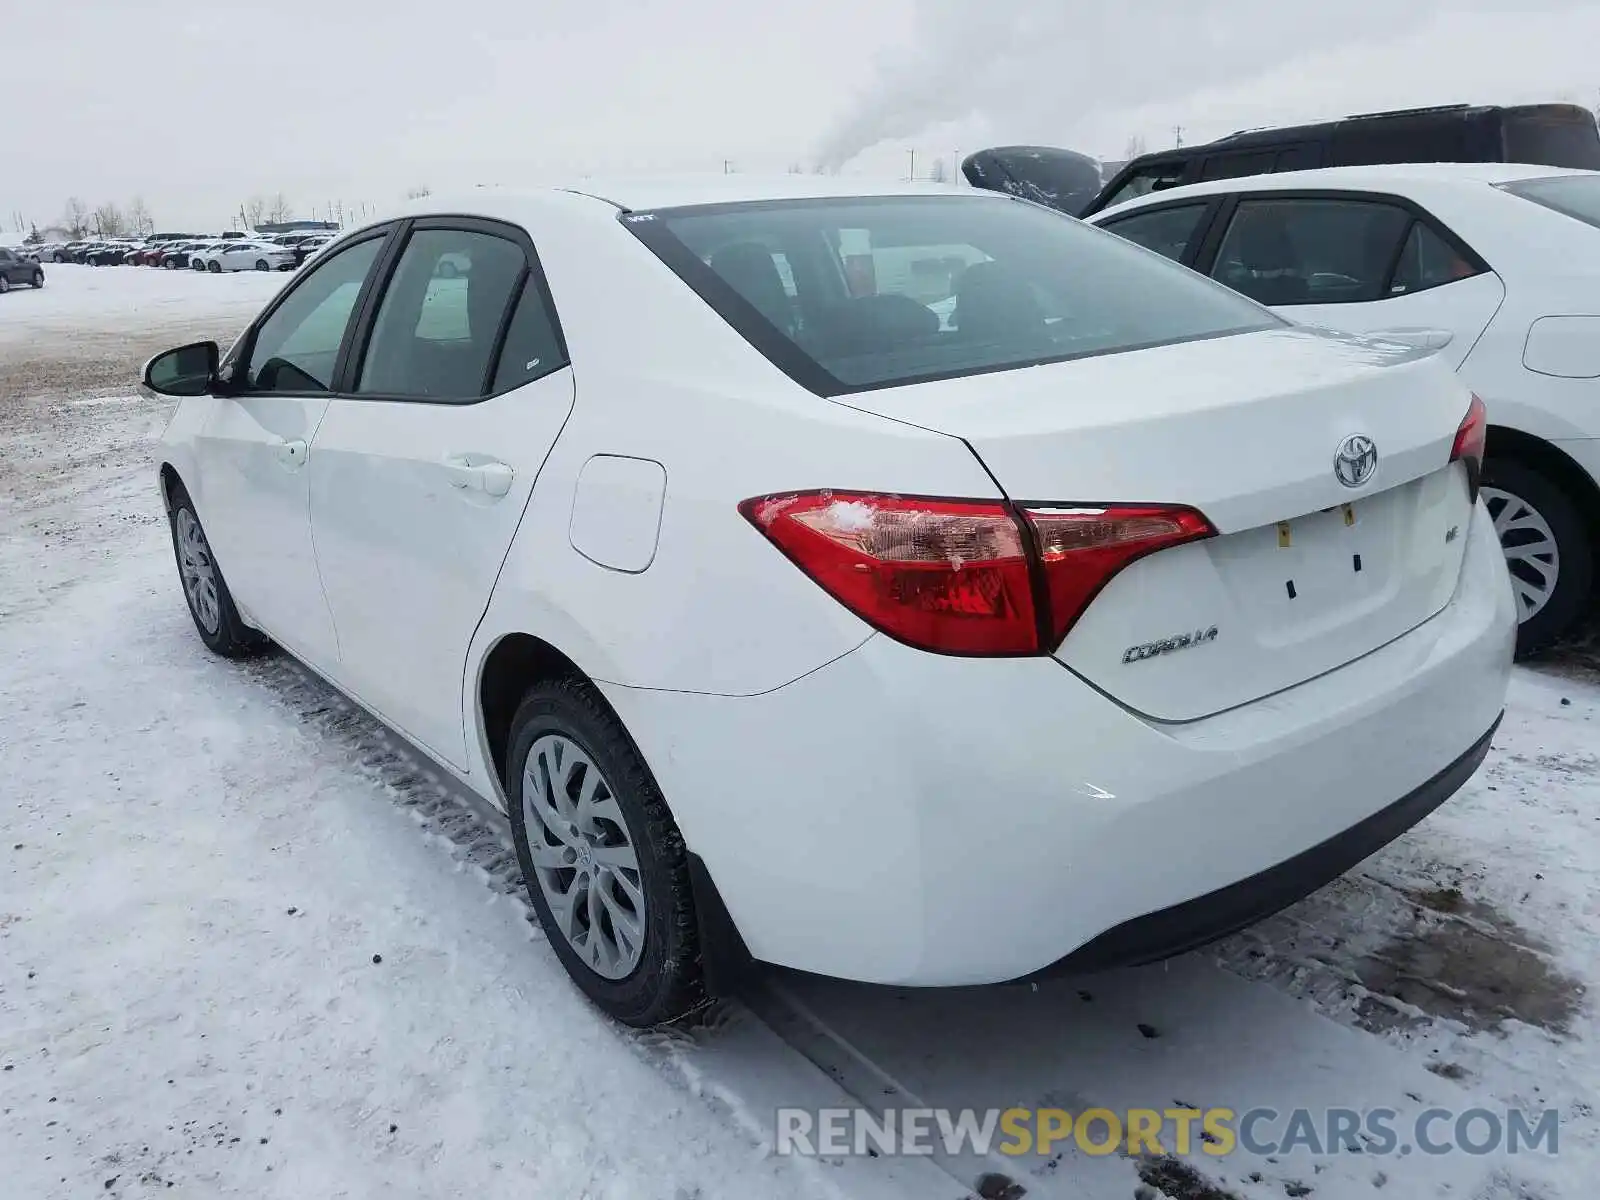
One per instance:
(1577, 196)
(1553, 140)
(853, 294)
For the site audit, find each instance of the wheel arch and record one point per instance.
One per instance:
(518, 661)
(170, 479)
(1526, 448)
(515, 663)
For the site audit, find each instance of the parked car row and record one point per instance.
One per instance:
(215, 253)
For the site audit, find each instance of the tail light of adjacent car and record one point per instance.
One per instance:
(970, 577)
(1471, 437)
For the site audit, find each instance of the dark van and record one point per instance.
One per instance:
(1551, 135)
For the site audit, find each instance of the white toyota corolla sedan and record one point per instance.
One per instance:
(790, 620)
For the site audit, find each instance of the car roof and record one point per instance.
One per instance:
(637, 194)
(1386, 177)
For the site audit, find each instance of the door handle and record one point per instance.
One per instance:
(493, 478)
(291, 454)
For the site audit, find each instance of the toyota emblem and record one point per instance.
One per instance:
(1357, 460)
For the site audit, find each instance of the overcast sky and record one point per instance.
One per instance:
(195, 106)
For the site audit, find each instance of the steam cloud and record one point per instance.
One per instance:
(1040, 65)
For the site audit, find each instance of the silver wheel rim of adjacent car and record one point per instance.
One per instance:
(1529, 544)
(198, 571)
(583, 856)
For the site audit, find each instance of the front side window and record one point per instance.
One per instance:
(896, 290)
(436, 331)
(1167, 231)
(1575, 196)
(297, 347)
(1311, 251)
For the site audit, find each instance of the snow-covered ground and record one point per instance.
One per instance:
(251, 946)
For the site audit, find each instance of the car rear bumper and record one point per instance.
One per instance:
(909, 818)
(1194, 923)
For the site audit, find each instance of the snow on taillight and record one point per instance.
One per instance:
(1081, 548)
(1471, 437)
(960, 576)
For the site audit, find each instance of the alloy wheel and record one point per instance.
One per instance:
(1529, 544)
(198, 571)
(583, 856)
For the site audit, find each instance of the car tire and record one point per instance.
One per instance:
(263, 265)
(566, 743)
(5, 284)
(38, 279)
(214, 267)
(204, 590)
(1548, 549)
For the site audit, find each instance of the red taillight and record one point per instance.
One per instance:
(1081, 548)
(946, 575)
(958, 576)
(1471, 436)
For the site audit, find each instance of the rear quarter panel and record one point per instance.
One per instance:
(660, 377)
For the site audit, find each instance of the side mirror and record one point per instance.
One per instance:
(187, 371)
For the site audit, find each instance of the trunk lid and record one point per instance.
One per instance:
(1306, 574)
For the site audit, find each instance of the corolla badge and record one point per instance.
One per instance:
(1357, 460)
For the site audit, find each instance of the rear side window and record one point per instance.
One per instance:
(1553, 139)
(1235, 166)
(1427, 260)
(1311, 251)
(1167, 231)
(1149, 179)
(533, 344)
(898, 290)
(436, 330)
(1575, 196)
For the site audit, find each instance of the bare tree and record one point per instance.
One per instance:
(109, 221)
(1134, 148)
(279, 209)
(938, 173)
(253, 211)
(418, 193)
(139, 220)
(75, 220)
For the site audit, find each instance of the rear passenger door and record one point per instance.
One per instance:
(453, 395)
(1359, 263)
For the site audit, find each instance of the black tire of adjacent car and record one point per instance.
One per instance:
(263, 265)
(38, 279)
(5, 284)
(1571, 596)
(668, 982)
(233, 638)
(214, 267)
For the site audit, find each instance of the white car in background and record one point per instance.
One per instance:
(236, 255)
(1494, 267)
(785, 623)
